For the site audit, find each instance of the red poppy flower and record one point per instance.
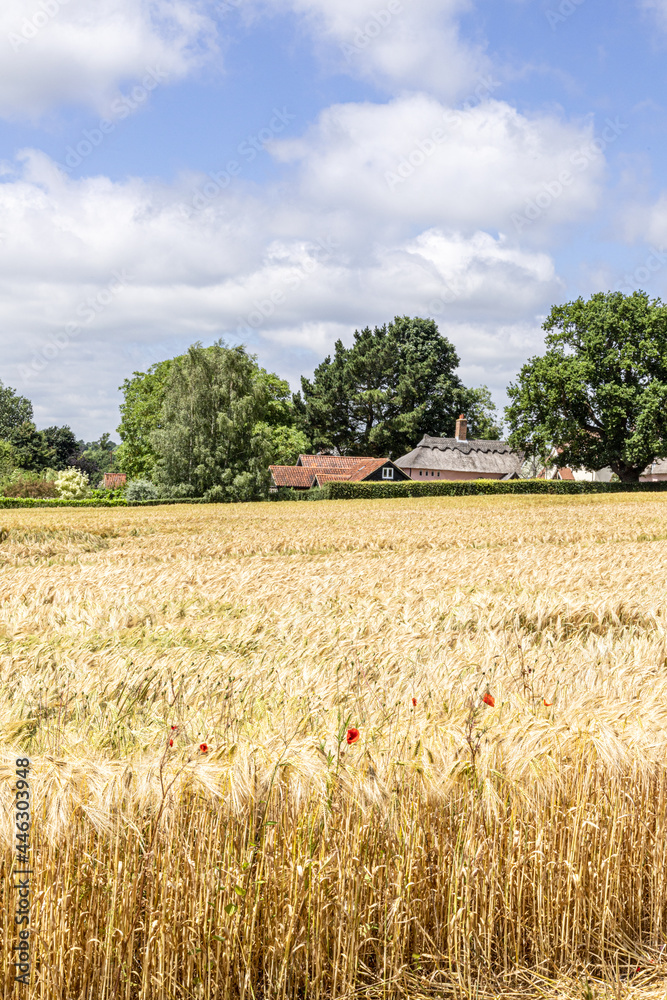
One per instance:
(174, 727)
(171, 743)
(203, 747)
(414, 702)
(489, 700)
(352, 735)
(547, 704)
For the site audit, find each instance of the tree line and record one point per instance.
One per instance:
(210, 421)
(27, 455)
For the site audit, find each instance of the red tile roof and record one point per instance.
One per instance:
(332, 463)
(366, 467)
(292, 475)
(326, 469)
(335, 469)
(330, 477)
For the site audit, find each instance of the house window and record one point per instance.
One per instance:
(387, 472)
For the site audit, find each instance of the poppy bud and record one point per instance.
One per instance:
(414, 702)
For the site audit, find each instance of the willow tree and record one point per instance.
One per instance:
(212, 403)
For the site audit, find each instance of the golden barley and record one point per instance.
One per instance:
(455, 850)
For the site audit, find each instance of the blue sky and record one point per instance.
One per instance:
(279, 172)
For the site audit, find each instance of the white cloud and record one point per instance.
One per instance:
(100, 278)
(416, 161)
(56, 52)
(404, 43)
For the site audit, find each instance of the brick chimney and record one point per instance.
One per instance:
(461, 428)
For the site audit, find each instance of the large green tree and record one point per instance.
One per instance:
(393, 385)
(14, 411)
(185, 399)
(52, 448)
(143, 414)
(63, 446)
(599, 393)
(32, 451)
(223, 421)
(141, 410)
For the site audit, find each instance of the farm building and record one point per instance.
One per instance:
(316, 470)
(459, 458)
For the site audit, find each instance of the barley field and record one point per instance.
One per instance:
(513, 848)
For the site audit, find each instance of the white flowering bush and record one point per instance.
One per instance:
(72, 484)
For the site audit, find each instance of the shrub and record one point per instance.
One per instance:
(101, 494)
(217, 494)
(38, 489)
(288, 493)
(140, 489)
(241, 488)
(72, 484)
(180, 491)
(244, 488)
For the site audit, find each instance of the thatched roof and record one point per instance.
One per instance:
(452, 455)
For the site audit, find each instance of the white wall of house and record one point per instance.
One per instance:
(449, 475)
(590, 476)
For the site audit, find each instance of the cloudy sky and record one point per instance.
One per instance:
(281, 172)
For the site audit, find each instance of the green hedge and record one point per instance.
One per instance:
(14, 503)
(288, 493)
(480, 487)
(379, 491)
